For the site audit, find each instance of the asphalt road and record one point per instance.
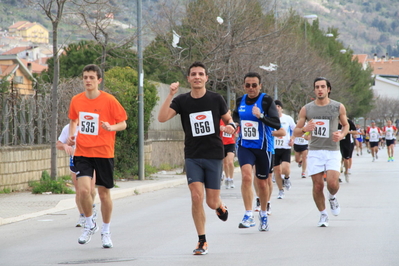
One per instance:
(156, 228)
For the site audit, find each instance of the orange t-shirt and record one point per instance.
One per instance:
(226, 138)
(92, 139)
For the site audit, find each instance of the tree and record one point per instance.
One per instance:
(98, 18)
(53, 10)
(77, 55)
(122, 83)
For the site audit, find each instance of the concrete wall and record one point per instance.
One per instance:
(164, 145)
(165, 141)
(21, 164)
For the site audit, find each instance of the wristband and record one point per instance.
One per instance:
(303, 131)
(233, 125)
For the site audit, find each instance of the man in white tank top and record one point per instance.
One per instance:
(322, 116)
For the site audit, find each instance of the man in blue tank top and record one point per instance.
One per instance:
(324, 155)
(256, 114)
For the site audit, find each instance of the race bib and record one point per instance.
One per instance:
(322, 129)
(249, 130)
(389, 134)
(300, 140)
(202, 124)
(278, 142)
(89, 123)
(227, 135)
(373, 136)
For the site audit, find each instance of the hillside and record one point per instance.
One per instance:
(365, 26)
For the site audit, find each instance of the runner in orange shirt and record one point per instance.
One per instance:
(229, 144)
(99, 115)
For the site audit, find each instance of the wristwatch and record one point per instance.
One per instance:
(261, 116)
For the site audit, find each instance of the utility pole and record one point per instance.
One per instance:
(140, 90)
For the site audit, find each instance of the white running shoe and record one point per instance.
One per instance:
(82, 221)
(335, 209)
(347, 178)
(106, 239)
(87, 233)
(226, 183)
(269, 208)
(323, 220)
(232, 183)
(281, 194)
(247, 222)
(287, 183)
(94, 213)
(263, 224)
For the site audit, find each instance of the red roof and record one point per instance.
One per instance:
(16, 50)
(36, 68)
(384, 67)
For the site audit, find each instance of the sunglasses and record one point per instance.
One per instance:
(249, 85)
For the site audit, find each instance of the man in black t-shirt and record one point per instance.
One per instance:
(200, 112)
(346, 146)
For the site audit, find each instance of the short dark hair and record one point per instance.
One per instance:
(95, 68)
(253, 75)
(197, 64)
(327, 82)
(279, 103)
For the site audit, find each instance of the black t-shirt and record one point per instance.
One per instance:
(202, 137)
(347, 140)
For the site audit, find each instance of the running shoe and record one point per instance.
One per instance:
(247, 222)
(303, 175)
(273, 179)
(94, 213)
(335, 209)
(106, 239)
(87, 233)
(368, 151)
(373, 159)
(81, 222)
(281, 194)
(257, 206)
(232, 183)
(269, 209)
(376, 156)
(222, 212)
(339, 179)
(392, 159)
(389, 159)
(287, 183)
(300, 164)
(226, 183)
(323, 220)
(263, 224)
(201, 249)
(347, 178)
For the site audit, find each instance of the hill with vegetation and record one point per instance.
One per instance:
(365, 26)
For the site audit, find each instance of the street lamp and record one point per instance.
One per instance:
(272, 67)
(312, 17)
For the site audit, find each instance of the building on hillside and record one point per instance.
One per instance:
(32, 32)
(17, 74)
(385, 73)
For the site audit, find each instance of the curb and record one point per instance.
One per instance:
(115, 194)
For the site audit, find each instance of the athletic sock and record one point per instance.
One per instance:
(249, 213)
(105, 228)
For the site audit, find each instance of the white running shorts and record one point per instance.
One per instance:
(323, 160)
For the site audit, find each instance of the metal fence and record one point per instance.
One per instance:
(25, 119)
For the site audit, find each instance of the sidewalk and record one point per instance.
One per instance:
(19, 206)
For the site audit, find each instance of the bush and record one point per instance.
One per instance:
(46, 184)
(122, 83)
